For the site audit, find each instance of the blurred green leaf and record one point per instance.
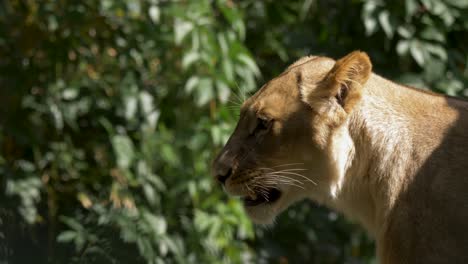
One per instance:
(66, 236)
(181, 30)
(437, 50)
(417, 52)
(223, 91)
(191, 83)
(204, 91)
(250, 63)
(190, 58)
(385, 23)
(368, 15)
(431, 33)
(405, 31)
(154, 13)
(458, 3)
(124, 150)
(402, 47)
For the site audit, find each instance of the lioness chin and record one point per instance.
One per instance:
(391, 157)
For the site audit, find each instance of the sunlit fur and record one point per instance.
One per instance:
(391, 157)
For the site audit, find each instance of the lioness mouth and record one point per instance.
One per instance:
(270, 196)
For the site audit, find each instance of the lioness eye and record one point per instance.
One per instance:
(262, 124)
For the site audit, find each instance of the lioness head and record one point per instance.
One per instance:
(288, 144)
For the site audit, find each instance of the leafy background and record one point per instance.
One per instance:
(111, 112)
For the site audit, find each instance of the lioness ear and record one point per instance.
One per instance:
(344, 82)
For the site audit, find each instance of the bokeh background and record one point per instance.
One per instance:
(112, 111)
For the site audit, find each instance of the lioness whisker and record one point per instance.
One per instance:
(265, 168)
(233, 107)
(293, 182)
(242, 91)
(264, 193)
(240, 97)
(284, 183)
(262, 184)
(288, 164)
(263, 189)
(271, 181)
(297, 174)
(234, 102)
(282, 177)
(248, 188)
(285, 170)
(292, 170)
(278, 177)
(259, 185)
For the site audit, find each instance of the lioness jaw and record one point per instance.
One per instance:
(390, 156)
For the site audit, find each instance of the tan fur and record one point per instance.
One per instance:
(391, 157)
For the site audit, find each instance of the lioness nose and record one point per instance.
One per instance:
(223, 174)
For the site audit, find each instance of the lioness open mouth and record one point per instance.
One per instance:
(269, 196)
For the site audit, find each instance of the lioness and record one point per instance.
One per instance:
(392, 157)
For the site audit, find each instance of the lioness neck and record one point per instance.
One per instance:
(391, 138)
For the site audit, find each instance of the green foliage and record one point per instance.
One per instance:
(109, 140)
(111, 112)
(430, 32)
